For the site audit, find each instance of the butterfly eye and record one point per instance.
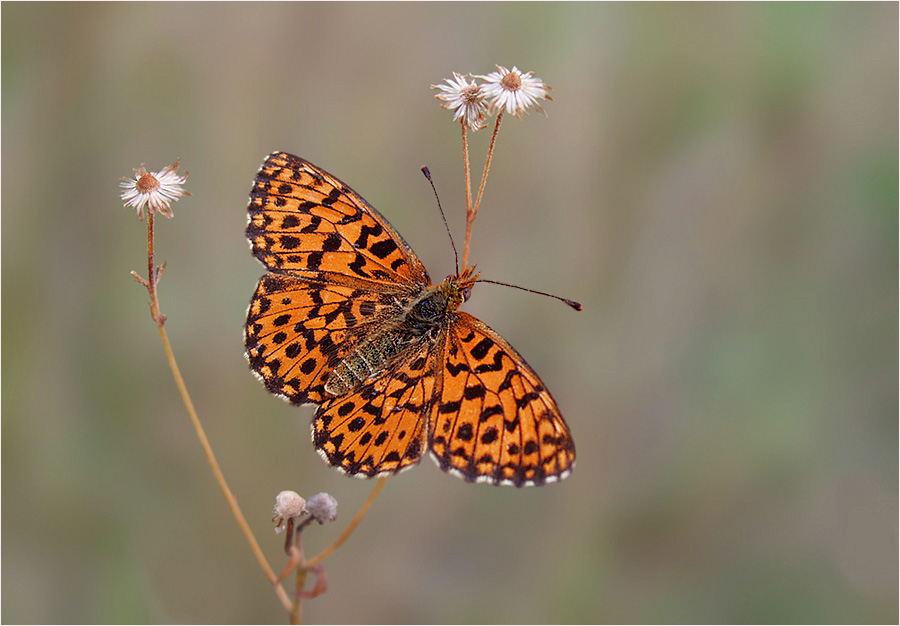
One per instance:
(466, 293)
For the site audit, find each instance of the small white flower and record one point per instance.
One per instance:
(288, 505)
(514, 91)
(466, 99)
(156, 191)
(322, 507)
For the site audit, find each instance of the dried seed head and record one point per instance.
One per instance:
(147, 183)
(288, 505)
(322, 507)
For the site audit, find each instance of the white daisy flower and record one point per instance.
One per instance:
(514, 91)
(156, 191)
(466, 99)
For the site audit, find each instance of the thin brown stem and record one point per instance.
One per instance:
(293, 562)
(303, 567)
(292, 606)
(465, 142)
(217, 472)
(321, 585)
(470, 217)
(159, 319)
(297, 608)
(152, 276)
(140, 279)
(324, 554)
(487, 164)
(472, 210)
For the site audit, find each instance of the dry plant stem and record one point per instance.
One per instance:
(303, 566)
(292, 564)
(159, 319)
(217, 472)
(487, 164)
(153, 276)
(472, 211)
(293, 607)
(465, 142)
(297, 608)
(303, 571)
(321, 585)
(324, 554)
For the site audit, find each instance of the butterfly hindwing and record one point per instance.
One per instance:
(380, 427)
(297, 331)
(493, 420)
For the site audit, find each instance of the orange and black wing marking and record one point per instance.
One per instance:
(305, 222)
(297, 331)
(380, 428)
(493, 420)
(338, 270)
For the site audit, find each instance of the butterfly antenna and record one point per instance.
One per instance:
(575, 305)
(449, 234)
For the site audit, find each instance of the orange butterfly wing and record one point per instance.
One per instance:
(305, 222)
(380, 428)
(297, 331)
(493, 420)
(338, 270)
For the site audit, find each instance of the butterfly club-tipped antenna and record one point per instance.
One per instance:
(427, 173)
(575, 305)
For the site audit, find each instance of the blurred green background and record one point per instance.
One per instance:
(718, 184)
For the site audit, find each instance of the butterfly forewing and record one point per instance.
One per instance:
(304, 221)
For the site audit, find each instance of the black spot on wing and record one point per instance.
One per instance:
(481, 348)
(383, 248)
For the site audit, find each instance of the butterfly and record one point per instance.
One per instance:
(347, 319)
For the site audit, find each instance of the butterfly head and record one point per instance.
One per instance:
(459, 288)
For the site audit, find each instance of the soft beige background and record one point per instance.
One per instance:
(717, 183)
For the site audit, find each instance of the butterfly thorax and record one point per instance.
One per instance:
(420, 321)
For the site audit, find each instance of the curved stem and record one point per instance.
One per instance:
(159, 319)
(217, 472)
(297, 608)
(324, 554)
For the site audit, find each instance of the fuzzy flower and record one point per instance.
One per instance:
(288, 505)
(514, 91)
(322, 507)
(466, 99)
(156, 191)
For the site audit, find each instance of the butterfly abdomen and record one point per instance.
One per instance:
(419, 323)
(367, 359)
